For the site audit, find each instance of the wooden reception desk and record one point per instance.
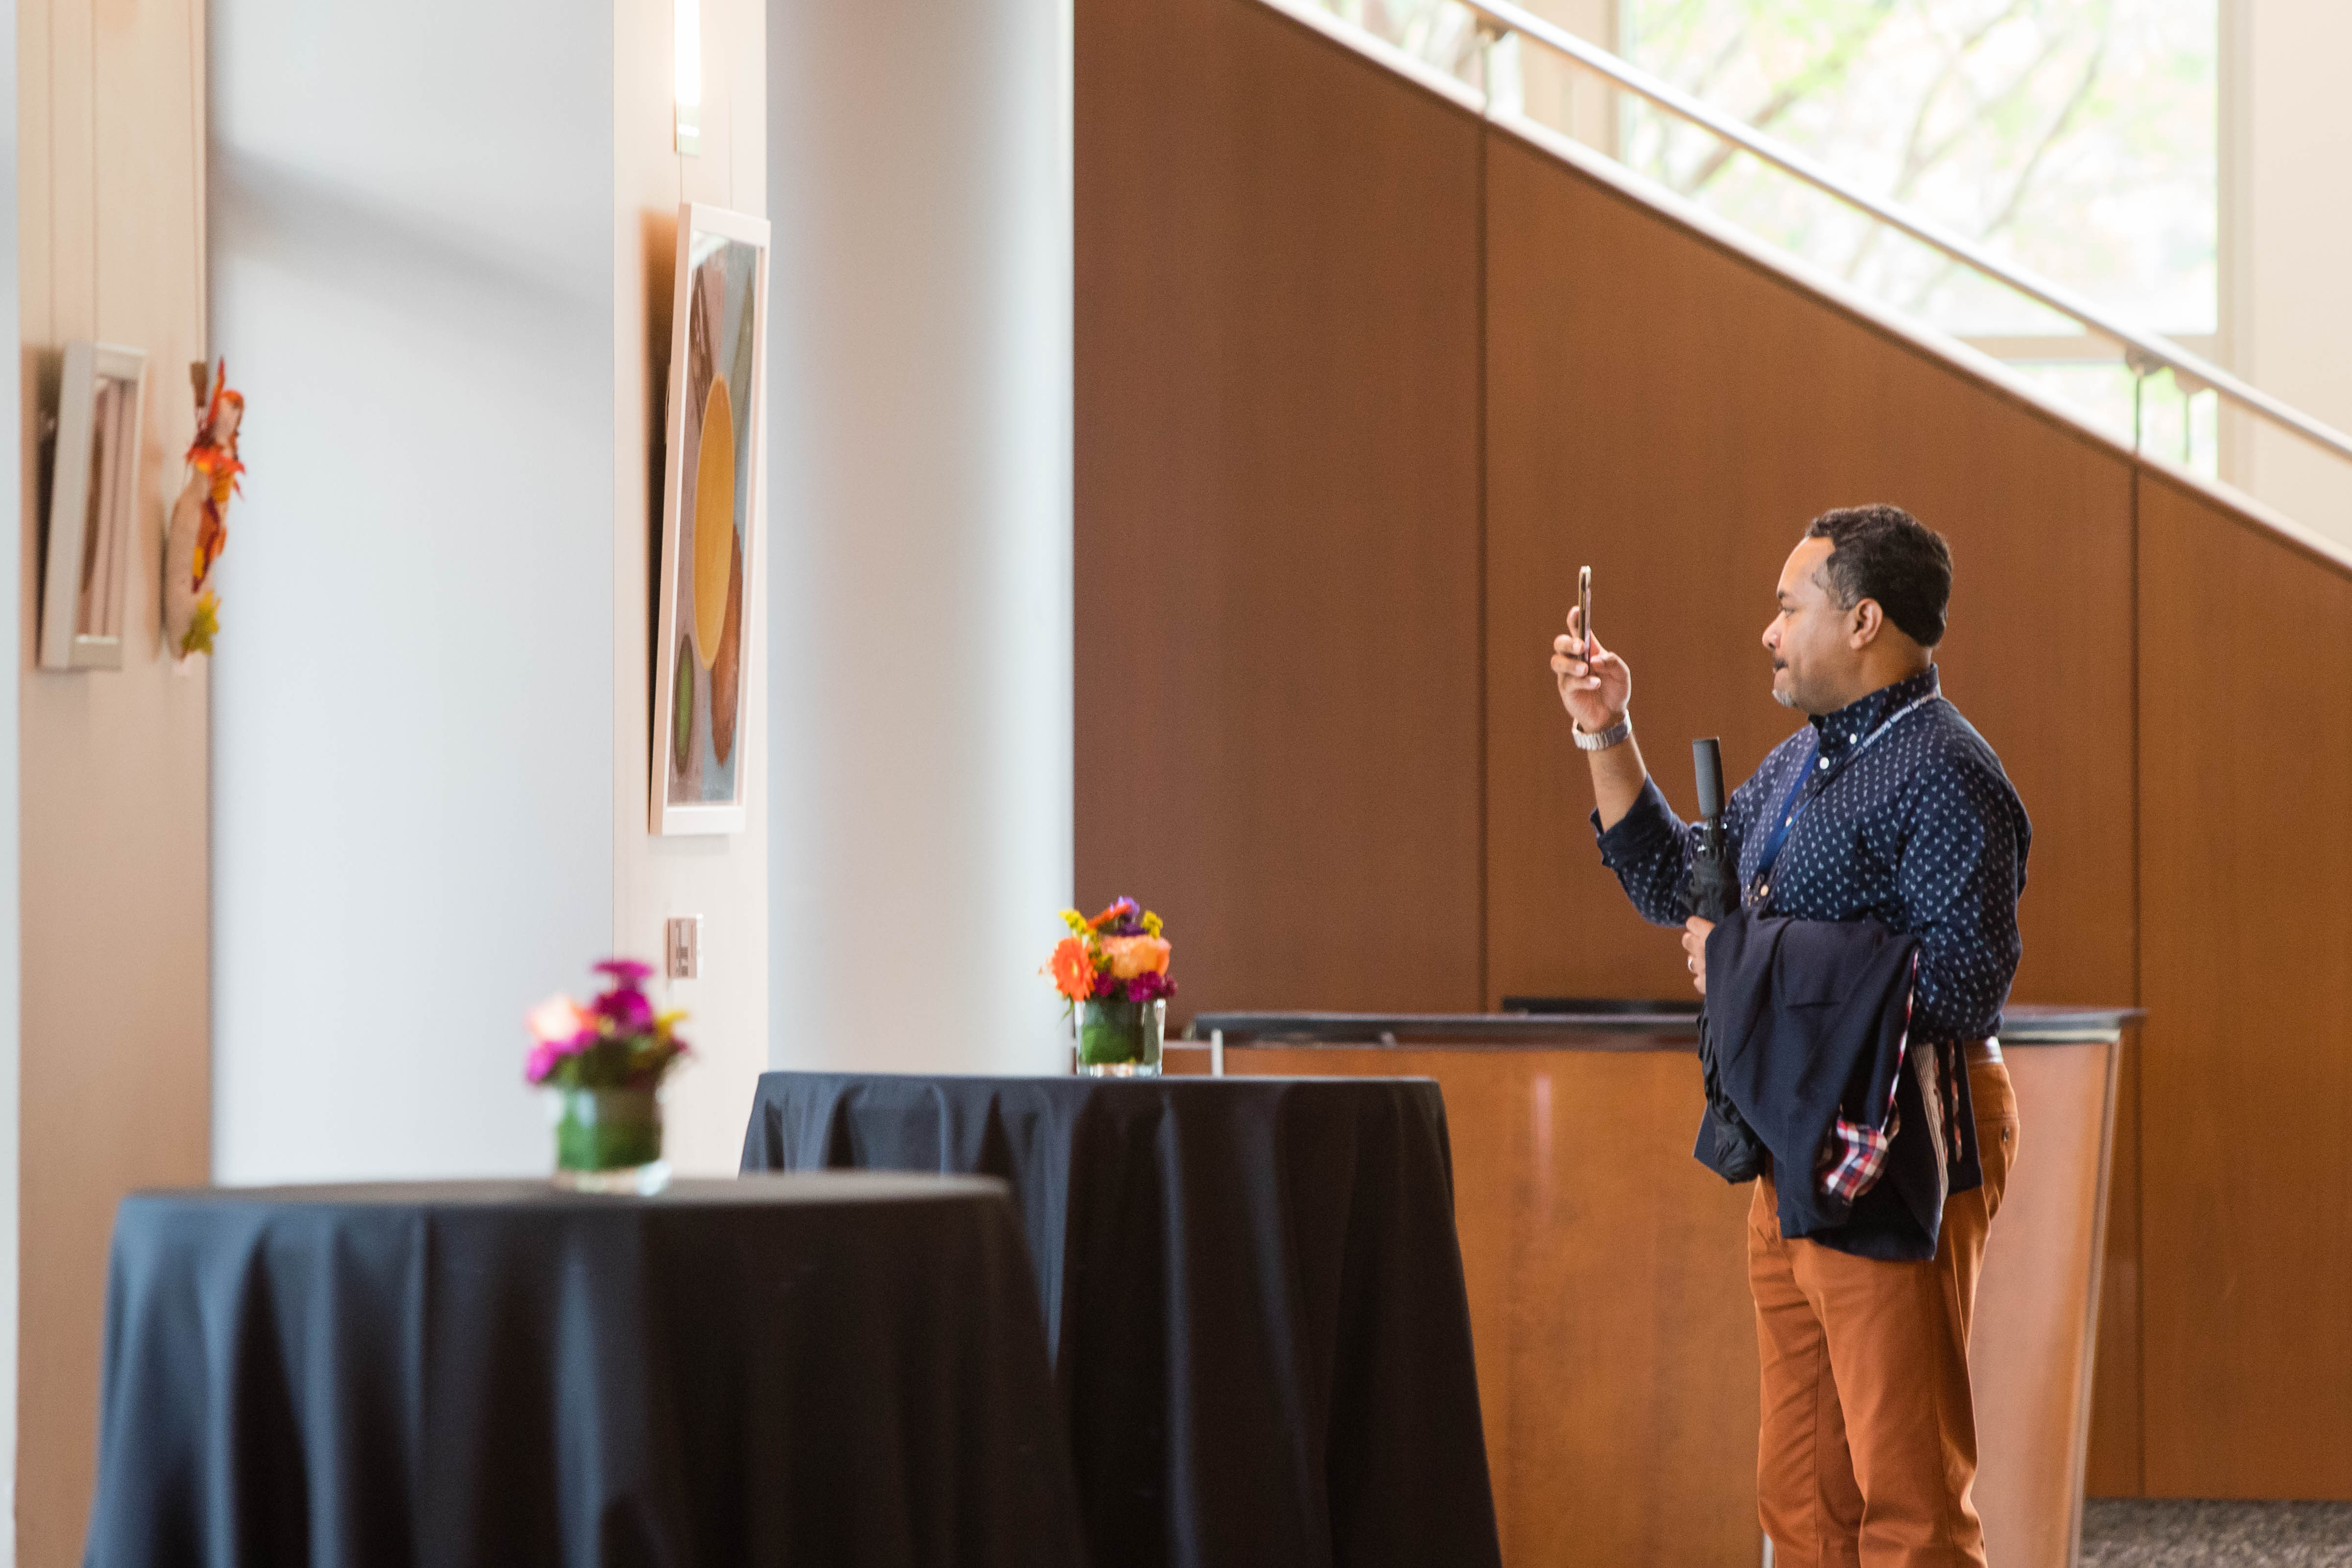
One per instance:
(1608, 1278)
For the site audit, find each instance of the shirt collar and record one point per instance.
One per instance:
(1842, 731)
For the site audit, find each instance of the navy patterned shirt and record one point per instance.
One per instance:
(1903, 816)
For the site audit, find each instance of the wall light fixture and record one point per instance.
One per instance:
(688, 14)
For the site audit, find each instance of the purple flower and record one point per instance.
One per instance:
(1118, 920)
(1150, 987)
(542, 1061)
(625, 972)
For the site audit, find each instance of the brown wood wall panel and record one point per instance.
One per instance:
(1673, 415)
(1277, 507)
(116, 1070)
(2246, 966)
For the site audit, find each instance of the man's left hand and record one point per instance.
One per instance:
(1694, 932)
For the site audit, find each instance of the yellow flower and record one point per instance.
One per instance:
(1133, 956)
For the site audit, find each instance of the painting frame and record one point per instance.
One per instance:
(92, 540)
(707, 638)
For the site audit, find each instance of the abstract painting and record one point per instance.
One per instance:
(710, 522)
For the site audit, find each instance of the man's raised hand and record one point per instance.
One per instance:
(1594, 684)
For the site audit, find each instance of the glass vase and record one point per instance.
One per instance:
(609, 1140)
(1121, 1040)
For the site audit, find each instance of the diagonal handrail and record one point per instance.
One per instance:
(2147, 352)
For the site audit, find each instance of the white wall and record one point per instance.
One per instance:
(411, 279)
(920, 674)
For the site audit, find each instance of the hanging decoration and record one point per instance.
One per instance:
(199, 526)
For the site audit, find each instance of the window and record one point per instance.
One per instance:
(2078, 138)
(2075, 138)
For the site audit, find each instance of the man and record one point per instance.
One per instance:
(1888, 806)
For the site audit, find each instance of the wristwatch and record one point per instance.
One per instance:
(1615, 735)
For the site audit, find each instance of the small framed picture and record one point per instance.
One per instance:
(712, 492)
(93, 508)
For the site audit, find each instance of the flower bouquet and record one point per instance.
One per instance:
(605, 1063)
(1114, 970)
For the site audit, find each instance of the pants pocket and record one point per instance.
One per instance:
(1996, 1151)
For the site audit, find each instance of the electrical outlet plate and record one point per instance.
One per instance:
(682, 947)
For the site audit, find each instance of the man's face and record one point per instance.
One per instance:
(1810, 638)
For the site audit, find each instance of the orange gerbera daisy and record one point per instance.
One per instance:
(1073, 968)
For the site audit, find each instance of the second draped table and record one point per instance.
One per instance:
(1252, 1294)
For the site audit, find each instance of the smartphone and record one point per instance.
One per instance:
(1584, 609)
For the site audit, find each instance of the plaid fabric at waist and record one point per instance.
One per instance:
(1854, 1157)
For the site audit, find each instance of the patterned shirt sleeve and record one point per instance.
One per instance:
(1650, 849)
(1959, 880)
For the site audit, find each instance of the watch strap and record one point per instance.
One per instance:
(1615, 735)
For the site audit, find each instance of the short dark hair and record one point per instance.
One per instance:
(1884, 553)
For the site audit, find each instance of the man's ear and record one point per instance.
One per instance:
(1863, 624)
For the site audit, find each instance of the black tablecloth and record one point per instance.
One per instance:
(1253, 1294)
(784, 1369)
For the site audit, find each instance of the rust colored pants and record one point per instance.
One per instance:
(1869, 1442)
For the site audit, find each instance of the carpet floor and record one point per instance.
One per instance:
(2134, 1534)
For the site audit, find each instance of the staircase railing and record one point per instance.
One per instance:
(2145, 354)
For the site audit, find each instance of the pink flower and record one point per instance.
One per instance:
(627, 1009)
(558, 1020)
(1133, 956)
(544, 1058)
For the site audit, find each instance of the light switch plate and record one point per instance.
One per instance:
(682, 947)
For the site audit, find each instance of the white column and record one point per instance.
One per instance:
(920, 656)
(411, 279)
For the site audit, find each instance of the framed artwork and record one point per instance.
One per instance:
(711, 495)
(93, 507)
